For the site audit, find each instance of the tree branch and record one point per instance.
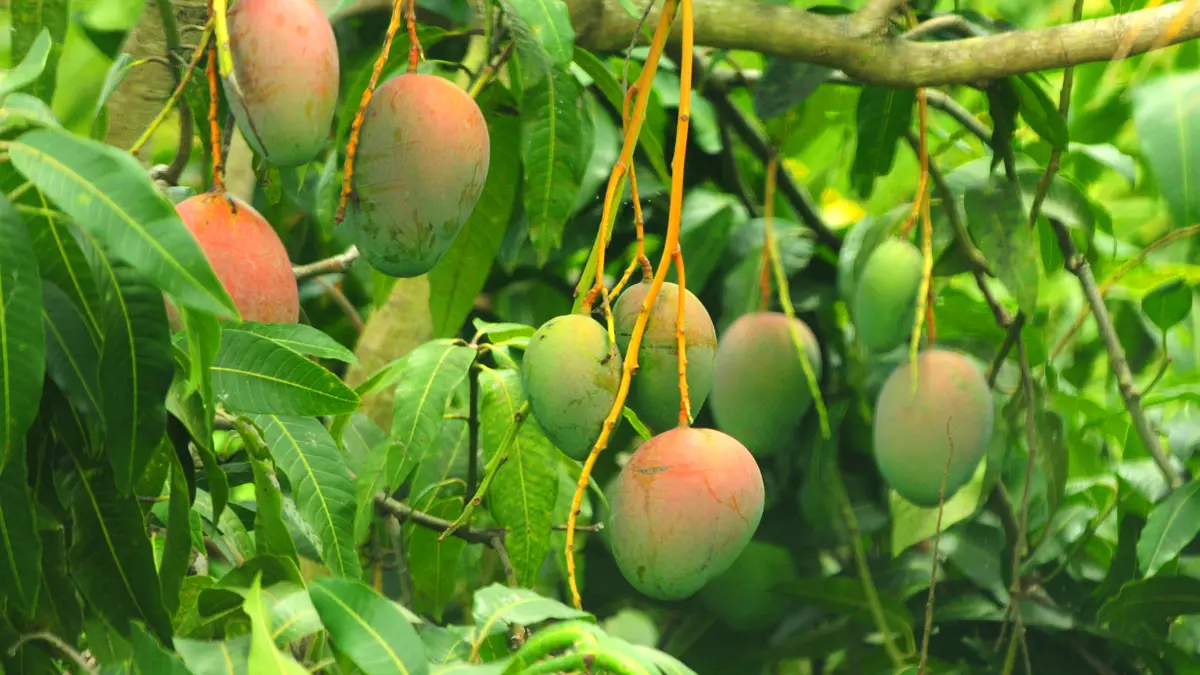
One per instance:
(404, 512)
(874, 15)
(338, 263)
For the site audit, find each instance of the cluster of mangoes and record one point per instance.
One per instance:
(423, 156)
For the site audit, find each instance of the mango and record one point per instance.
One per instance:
(571, 373)
(915, 433)
(285, 65)
(746, 597)
(422, 161)
(885, 297)
(654, 391)
(683, 509)
(759, 392)
(246, 254)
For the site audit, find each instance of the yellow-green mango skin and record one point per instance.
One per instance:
(423, 157)
(683, 510)
(571, 376)
(285, 63)
(885, 297)
(746, 596)
(912, 433)
(759, 392)
(654, 391)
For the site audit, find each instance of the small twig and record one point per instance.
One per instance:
(338, 263)
(339, 298)
(953, 22)
(497, 544)
(489, 473)
(489, 71)
(179, 87)
(594, 527)
(214, 97)
(961, 234)
(403, 512)
(415, 52)
(1030, 463)
(1011, 338)
(58, 642)
(937, 538)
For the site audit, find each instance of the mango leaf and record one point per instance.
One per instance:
(72, 359)
(22, 340)
(498, 604)
(109, 194)
(1172, 525)
(31, 66)
(255, 374)
(270, 531)
(1000, 228)
(300, 338)
(61, 261)
(912, 524)
(368, 628)
(844, 596)
(460, 275)
(321, 484)
(225, 657)
(1052, 455)
(150, 658)
(292, 613)
(111, 558)
(23, 110)
(1168, 305)
(264, 657)
(429, 375)
(523, 494)
(178, 546)
(551, 141)
(136, 368)
(1039, 112)
(884, 114)
(29, 21)
(21, 543)
(434, 564)
(1169, 133)
(1153, 600)
(544, 23)
(785, 84)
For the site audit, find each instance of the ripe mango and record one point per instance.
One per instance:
(885, 296)
(654, 391)
(422, 160)
(683, 510)
(285, 65)
(246, 254)
(759, 392)
(571, 373)
(746, 596)
(914, 433)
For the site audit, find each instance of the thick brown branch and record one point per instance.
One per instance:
(874, 15)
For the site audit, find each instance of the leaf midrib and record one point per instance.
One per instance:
(365, 626)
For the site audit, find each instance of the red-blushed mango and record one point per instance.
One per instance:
(422, 161)
(683, 510)
(760, 392)
(285, 64)
(914, 433)
(747, 596)
(654, 391)
(246, 254)
(571, 373)
(885, 296)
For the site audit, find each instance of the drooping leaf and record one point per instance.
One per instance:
(1169, 136)
(299, 338)
(223, 657)
(1168, 305)
(23, 110)
(912, 524)
(785, 84)
(430, 374)
(22, 341)
(111, 558)
(368, 628)
(136, 368)
(29, 21)
(61, 260)
(1053, 456)
(72, 359)
(1153, 600)
(1000, 228)
(497, 603)
(434, 564)
(150, 658)
(522, 497)
(541, 26)
(551, 142)
(255, 374)
(270, 532)
(1172, 525)
(20, 541)
(111, 196)
(321, 483)
(116, 73)
(1039, 112)
(264, 657)
(30, 67)
(884, 114)
(460, 275)
(292, 613)
(178, 546)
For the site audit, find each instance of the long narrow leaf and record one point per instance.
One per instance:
(22, 346)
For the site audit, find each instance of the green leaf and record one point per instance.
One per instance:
(551, 142)
(29, 21)
(1153, 600)
(1039, 112)
(116, 73)
(110, 195)
(23, 110)
(1169, 134)
(321, 484)
(884, 114)
(368, 628)
(61, 261)
(72, 359)
(225, 657)
(522, 497)
(842, 595)
(149, 657)
(1000, 228)
(264, 657)
(499, 604)
(256, 374)
(459, 276)
(270, 531)
(1052, 454)
(136, 369)
(430, 374)
(22, 340)
(1172, 525)
(178, 547)
(1169, 304)
(31, 66)
(111, 559)
(912, 524)
(299, 338)
(292, 613)
(546, 21)
(21, 569)
(434, 564)
(785, 84)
